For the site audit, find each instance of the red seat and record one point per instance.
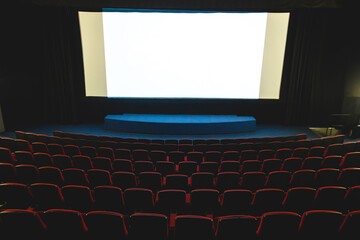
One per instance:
(20, 224)
(124, 180)
(350, 226)
(235, 226)
(6, 156)
(108, 198)
(47, 196)
(236, 202)
(267, 200)
(320, 224)
(138, 200)
(106, 225)
(150, 180)
(15, 195)
(204, 201)
(253, 180)
(278, 225)
(78, 198)
(278, 179)
(148, 225)
(330, 198)
(171, 201)
(82, 162)
(299, 199)
(193, 228)
(63, 223)
(99, 177)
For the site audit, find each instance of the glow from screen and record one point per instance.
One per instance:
(212, 55)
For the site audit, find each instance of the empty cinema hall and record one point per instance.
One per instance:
(180, 120)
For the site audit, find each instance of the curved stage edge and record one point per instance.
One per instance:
(179, 124)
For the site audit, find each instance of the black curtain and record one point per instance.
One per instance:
(63, 69)
(313, 78)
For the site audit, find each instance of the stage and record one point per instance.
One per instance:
(179, 124)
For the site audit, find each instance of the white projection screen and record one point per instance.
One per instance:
(183, 54)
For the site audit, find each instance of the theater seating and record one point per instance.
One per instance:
(270, 188)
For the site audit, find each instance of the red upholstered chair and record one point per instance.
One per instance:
(171, 201)
(150, 180)
(202, 180)
(283, 153)
(211, 167)
(278, 179)
(71, 150)
(7, 173)
(24, 157)
(15, 195)
(39, 147)
(326, 177)
(75, 176)
(236, 201)
(299, 199)
(330, 198)
(82, 162)
(313, 163)
(320, 224)
(271, 165)
(177, 181)
(193, 228)
(98, 177)
(20, 224)
(108, 198)
(195, 157)
(227, 180)
(292, 164)
(317, 151)
(43, 159)
(228, 227)
(148, 225)
(349, 177)
(27, 174)
(204, 201)
(303, 178)
(63, 223)
(300, 152)
(78, 198)
(267, 200)
(279, 225)
(187, 168)
(47, 196)
(105, 224)
(138, 200)
(6, 156)
(124, 180)
(331, 162)
(350, 226)
(62, 161)
(229, 166)
(253, 180)
(51, 175)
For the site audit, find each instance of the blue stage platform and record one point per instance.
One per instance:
(179, 124)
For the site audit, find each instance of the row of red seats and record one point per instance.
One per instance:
(20, 144)
(71, 149)
(248, 158)
(186, 167)
(44, 196)
(183, 179)
(139, 226)
(126, 143)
